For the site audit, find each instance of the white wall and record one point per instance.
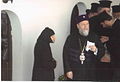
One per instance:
(34, 16)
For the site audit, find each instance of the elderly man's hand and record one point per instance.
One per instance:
(93, 48)
(69, 74)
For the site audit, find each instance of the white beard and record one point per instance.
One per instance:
(84, 32)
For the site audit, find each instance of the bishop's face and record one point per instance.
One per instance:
(83, 27)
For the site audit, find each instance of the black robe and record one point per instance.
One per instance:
(44, 63)
(114, 48)
(71, 53)
(103, 69)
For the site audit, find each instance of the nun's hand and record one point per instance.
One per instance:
(54, 63)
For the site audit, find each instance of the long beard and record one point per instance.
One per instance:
(84, 32)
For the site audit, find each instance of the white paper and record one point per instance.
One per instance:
(89, 44)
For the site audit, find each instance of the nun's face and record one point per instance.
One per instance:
(83, 27)
(53, 38)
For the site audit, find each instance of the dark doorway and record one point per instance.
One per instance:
(74, 14)
(78, 9)
(6, 47)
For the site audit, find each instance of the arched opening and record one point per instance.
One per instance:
(78, 9)
(81, 8)
(14, 50)
(6, 47)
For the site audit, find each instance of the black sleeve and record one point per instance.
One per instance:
(66, 63)
(48, 62)
(101, 49)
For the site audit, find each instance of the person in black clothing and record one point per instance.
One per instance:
(94, 9)
(116, 11)
(44, 63)
(94, 25)
(113, 42)
(104, 6)
(104, 65)
(88, 13)
(81, 52)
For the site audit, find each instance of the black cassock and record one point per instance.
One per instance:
(104, 69)
(71, 53)
(114, 49)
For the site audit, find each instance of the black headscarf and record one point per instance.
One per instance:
(45, 35)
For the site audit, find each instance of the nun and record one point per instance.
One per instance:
(44, 63)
